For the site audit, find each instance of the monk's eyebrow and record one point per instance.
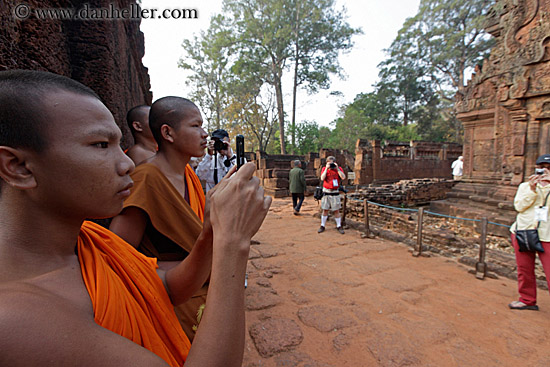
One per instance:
(109, 134)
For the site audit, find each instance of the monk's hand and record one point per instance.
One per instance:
(238, 205)
(207, 224)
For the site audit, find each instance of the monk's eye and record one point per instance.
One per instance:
(102, 145)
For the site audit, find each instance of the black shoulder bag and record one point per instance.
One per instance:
(528, 239)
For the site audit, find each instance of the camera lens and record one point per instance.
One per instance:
(332, 165)
(218, 144)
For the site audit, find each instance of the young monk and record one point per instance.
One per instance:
(71, 292)
(145, 145)
(163, 215)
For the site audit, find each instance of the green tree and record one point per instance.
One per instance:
(307, 137)
(320, 33)
(208, 57)
(445, 38)
(435, 48)
(272, 34)
(264, 36)
(401, 90)
(252, 114)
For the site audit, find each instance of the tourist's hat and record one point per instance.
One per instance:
(545, 158)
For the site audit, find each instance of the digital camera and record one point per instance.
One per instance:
(332, 165)
(539, 171)
(219, 143)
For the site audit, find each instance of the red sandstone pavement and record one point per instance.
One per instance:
(339, 300)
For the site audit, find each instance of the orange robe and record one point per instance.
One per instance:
(128, 296)
(173, 226)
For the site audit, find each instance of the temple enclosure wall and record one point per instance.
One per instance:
(105, 55)
(376, 163)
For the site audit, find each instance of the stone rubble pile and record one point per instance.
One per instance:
(404, 193)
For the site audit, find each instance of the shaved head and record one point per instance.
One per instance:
(168, 111)
(138, 113)
(23, 120)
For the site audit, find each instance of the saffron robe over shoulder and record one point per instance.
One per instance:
(172, 228)
(128, 296)
(177, 222)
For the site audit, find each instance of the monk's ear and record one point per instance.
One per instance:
(167, 133)
(14, 168)
(137, 126)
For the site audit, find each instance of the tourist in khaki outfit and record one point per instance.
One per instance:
(530, 199)
(331, 175)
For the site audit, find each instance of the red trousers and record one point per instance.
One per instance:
(527, 283)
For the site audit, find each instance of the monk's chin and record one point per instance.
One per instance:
(107, 214)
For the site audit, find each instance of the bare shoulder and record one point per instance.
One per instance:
(138, 154)
(39, 328)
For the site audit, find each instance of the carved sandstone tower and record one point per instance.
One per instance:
(505, 110)
(506, 106)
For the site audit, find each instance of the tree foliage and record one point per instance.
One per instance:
(320, 34)
(209, 58)
(240, 62)
(273, 34)
(425, 67)
(443, 39)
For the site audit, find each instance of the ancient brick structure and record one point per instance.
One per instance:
(376, 163)
(272, 170)
(505, 109)
(102, 54)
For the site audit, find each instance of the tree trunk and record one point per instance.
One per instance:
(295, 87)
(277, 83)
(280, 113)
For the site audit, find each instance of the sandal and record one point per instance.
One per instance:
(518, 305)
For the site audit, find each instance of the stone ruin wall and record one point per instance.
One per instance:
(104, 55)
(273, 169)
(376, 163)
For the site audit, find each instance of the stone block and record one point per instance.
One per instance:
(276, 183)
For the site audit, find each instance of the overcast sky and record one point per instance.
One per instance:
(379, 19)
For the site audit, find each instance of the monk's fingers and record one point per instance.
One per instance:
(230, 172)
(267, 202)
(246, 171)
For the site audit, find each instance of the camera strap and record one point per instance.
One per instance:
(227, 162)
(215, 168)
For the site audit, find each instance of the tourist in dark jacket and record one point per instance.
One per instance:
(297, 186)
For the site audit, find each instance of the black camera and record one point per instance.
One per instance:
(332, 165)
(219, 143)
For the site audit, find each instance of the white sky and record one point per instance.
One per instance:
(379, 19)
